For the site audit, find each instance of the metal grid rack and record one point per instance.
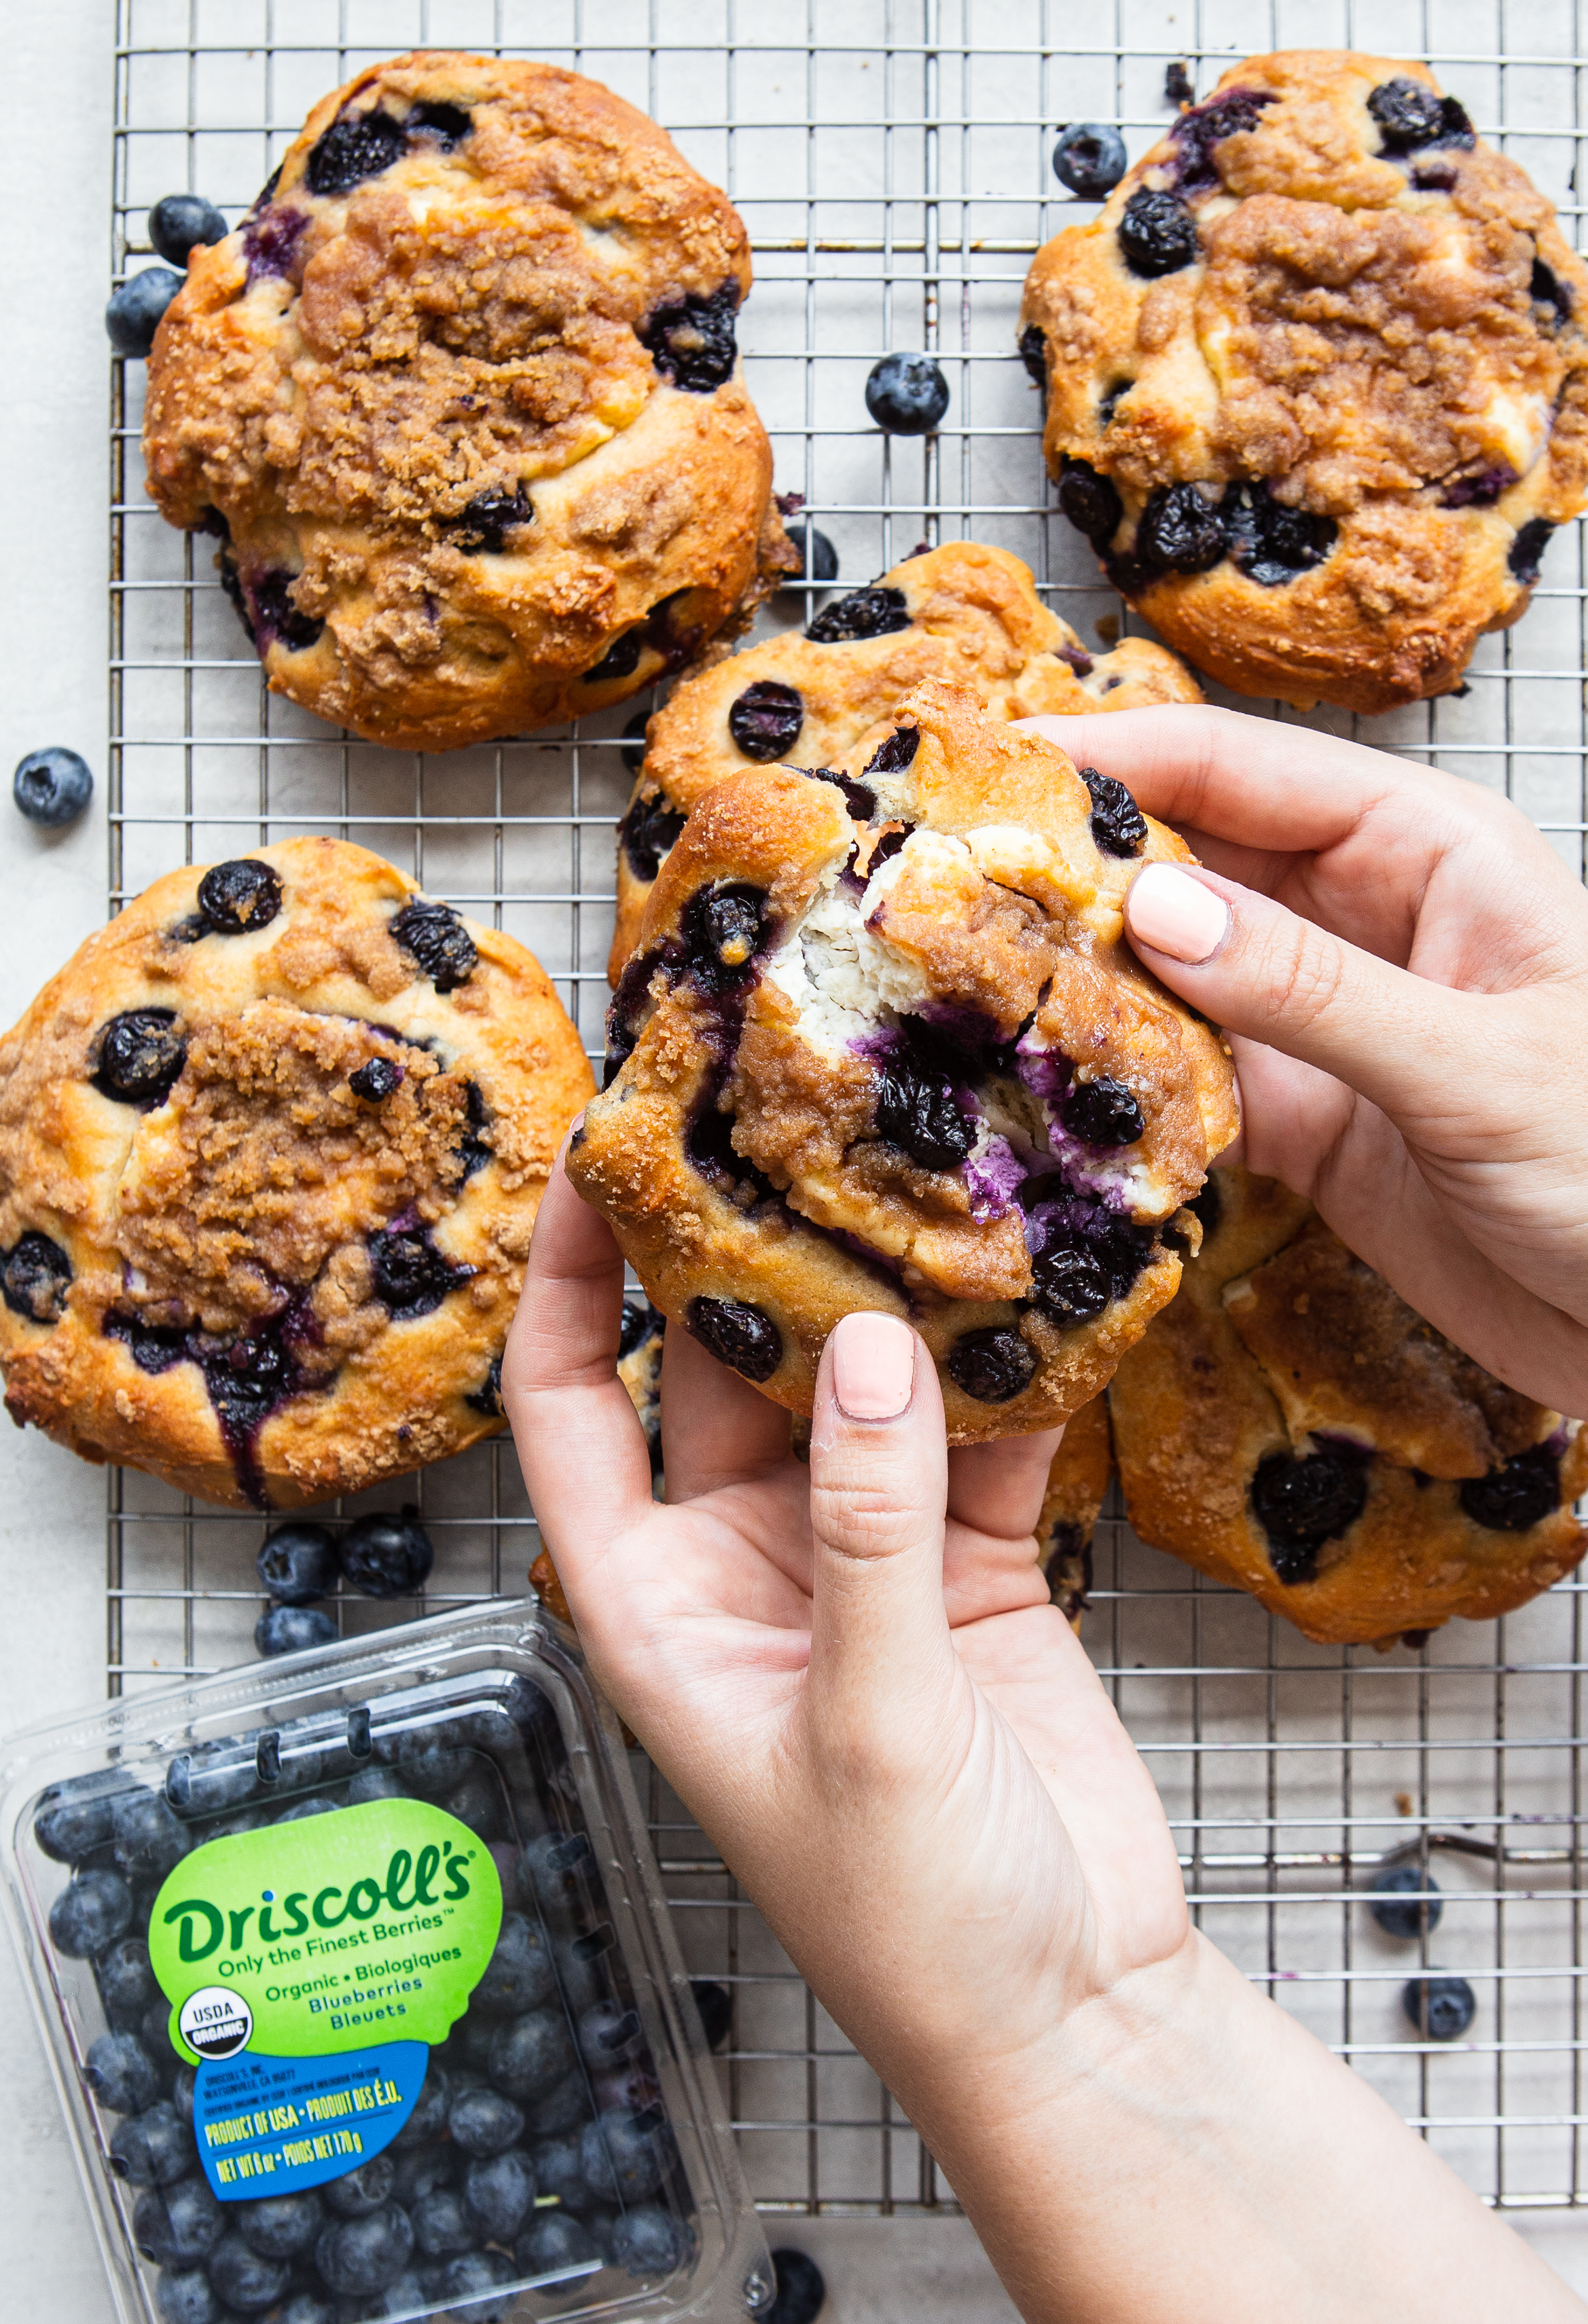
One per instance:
(890, 158)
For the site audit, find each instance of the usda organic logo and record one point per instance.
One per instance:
(216, 2021)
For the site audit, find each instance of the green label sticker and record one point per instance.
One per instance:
(370, 1923)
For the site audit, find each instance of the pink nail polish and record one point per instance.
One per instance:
(1170, 909)
(873, 1366)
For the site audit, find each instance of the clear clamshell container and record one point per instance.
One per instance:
(355, 1974)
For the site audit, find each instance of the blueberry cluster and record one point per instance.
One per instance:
(380, 1556)
(1406, 1903)
(539, 2144)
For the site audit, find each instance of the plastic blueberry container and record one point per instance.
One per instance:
(359, 1990)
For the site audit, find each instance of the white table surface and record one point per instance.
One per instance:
(54, 196)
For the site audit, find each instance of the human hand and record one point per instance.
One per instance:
(851, 1674)
(1401, 962)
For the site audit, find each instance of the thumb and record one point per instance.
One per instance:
(879, 1493)
(1261, 970)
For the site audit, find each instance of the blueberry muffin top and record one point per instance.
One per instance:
(1292, 1426)
(1317, 382)
(461, 400)
(883, 1045)
(966, 614)
(271, 1149)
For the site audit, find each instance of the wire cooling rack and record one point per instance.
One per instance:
(891, 160)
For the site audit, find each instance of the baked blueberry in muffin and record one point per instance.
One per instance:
(460, 400)
(1291, 1426)
(1317, 382)
(966, 614)
(270, 1150)
(1077, 1479)
(883, 1045)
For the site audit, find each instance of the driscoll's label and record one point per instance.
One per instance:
(310, 1967)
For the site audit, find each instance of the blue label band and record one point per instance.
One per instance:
(274, 2125)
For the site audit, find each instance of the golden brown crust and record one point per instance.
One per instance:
(235, 1222)
(1376, 340)
(740, 1153)
(355, 368)
(1077, 1480)
(974, 619)
(1204, 1398)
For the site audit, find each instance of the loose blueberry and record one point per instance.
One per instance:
(1526, 550)
(552, 2242)
(407, 1274)
(1271, 543)
(801, 2289)
(1089, 501)
(1119, 827)
(530, 2055)
(119, 2071)
(298, 1562)
(1103, 1112)
(1517, 1495)
(1300, 1504)
(435, 940)
(91, 1911)
(133, 314)
(482, 527)
(147, 1838)
(1033, 344)
(359, 2256)
(874, 613)
(281, 2226)
(716, 2005)
(1179, 531)
(651, 826)
(386, 1556)
(428, 2118)
(293, 1631)
(376, 1081)
(126, 1983)
(766, 719)
(1397, 1901)
(53, 786)
(138, 1056)
(238, 896)
(691, 340)
(993, 1365)
(180, 222)
(155, 2148)
(181, 2094)
(819, 559)
(1089, 157)
(178, 2226)
(559, 2171)
(561, 2110)
(374, 1784)
(304, 2306)
(907, 395)
(647, 2241)
(1411, 116)
(556, 1863)
(34, 1275)
(1158, 234)
(71, 1820)
(1069, 1284)
(183, 2296)
(420, 2169)
(1440, 2008)
(916, 1112)
(359, 2193)
(483, 2122)
(737, 1334)
(622, 2155)
(359, 145)
(723, 928)
(498, 2193)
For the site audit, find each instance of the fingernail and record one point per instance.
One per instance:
(1169, 908)
(873, 1366)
